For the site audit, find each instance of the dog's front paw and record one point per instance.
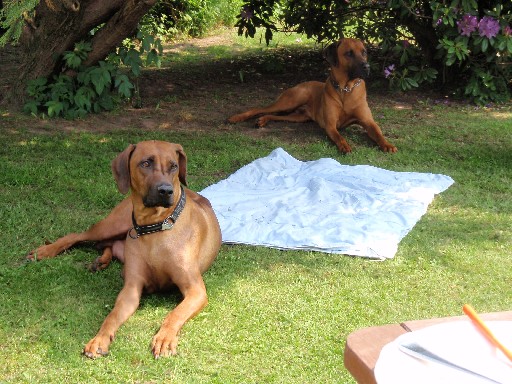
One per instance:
(344, 147)
(164, 344)
(387, 147)
(261, 122)
(235, 119)
(43, 252)
(97, 347)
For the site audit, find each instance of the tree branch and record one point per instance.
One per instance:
(118, 27)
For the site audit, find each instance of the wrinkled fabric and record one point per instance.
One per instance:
(278, 201)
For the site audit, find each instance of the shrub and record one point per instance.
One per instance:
(461, 43)
(80, 90)
(190, 18)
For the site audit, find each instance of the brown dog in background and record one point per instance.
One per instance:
(166, 235)
(337, 103)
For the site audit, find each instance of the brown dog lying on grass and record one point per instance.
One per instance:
(166, 235)
(337, 103)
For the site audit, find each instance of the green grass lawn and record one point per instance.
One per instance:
(273, 316)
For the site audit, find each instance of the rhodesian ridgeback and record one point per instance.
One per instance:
(167, 235)
(337, 103)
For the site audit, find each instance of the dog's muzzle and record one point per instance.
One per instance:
(361, 71)
(161, 195)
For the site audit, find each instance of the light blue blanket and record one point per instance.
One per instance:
(281, 202)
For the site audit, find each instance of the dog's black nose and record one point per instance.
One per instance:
(165, 190)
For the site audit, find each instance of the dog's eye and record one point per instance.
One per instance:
(349, 53)
(145, 164)
(174, 166)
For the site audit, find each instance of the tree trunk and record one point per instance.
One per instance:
(58, 24)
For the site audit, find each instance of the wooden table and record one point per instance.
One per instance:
(363, 346)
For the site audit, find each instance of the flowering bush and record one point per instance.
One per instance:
(478, 47)
(462, 45)
(466, 26)
(488, 27)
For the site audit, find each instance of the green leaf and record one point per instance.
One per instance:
(37, 87)
(146, 44)
(501, 45)
(100, 78)
(83, 46)
(485, 45)
(31, 107)
(153, 58)
(84, 77)
(133, 60)
(106, 102)
(54, 108)
(72, 60)
(124, 86)
(83, 98)
(412, 82)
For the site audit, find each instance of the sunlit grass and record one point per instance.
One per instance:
(273, 316)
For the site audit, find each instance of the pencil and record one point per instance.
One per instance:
(480, 325)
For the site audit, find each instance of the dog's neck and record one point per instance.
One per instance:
(349, 84)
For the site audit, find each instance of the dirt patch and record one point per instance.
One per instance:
(201, 96)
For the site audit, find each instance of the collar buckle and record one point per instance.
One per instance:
(166, 225)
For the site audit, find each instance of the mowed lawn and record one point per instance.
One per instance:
(273, 316)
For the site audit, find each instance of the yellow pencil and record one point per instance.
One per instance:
(480, 325)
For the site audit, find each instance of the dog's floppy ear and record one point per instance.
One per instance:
(182, 163)
(121, 169)
(331, 53)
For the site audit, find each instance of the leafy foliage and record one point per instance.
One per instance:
(257, 14)
(12, 17)
(189, 17)
(79, 90)
(464, 44)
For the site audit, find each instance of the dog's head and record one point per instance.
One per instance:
(153, 170)
(348, 56)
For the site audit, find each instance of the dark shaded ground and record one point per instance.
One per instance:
(202, 95)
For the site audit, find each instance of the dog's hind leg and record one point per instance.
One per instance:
(111, 250)
(298, 116)
(288, 101)
(102, 261)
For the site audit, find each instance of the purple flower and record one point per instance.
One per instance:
(389, 70)
(439, 21)
(488, 27)
(467, 25)
(246, 13)
(507, 31)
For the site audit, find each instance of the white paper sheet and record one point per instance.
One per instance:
(459, 342)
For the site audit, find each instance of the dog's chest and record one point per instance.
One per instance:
(154, 261)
